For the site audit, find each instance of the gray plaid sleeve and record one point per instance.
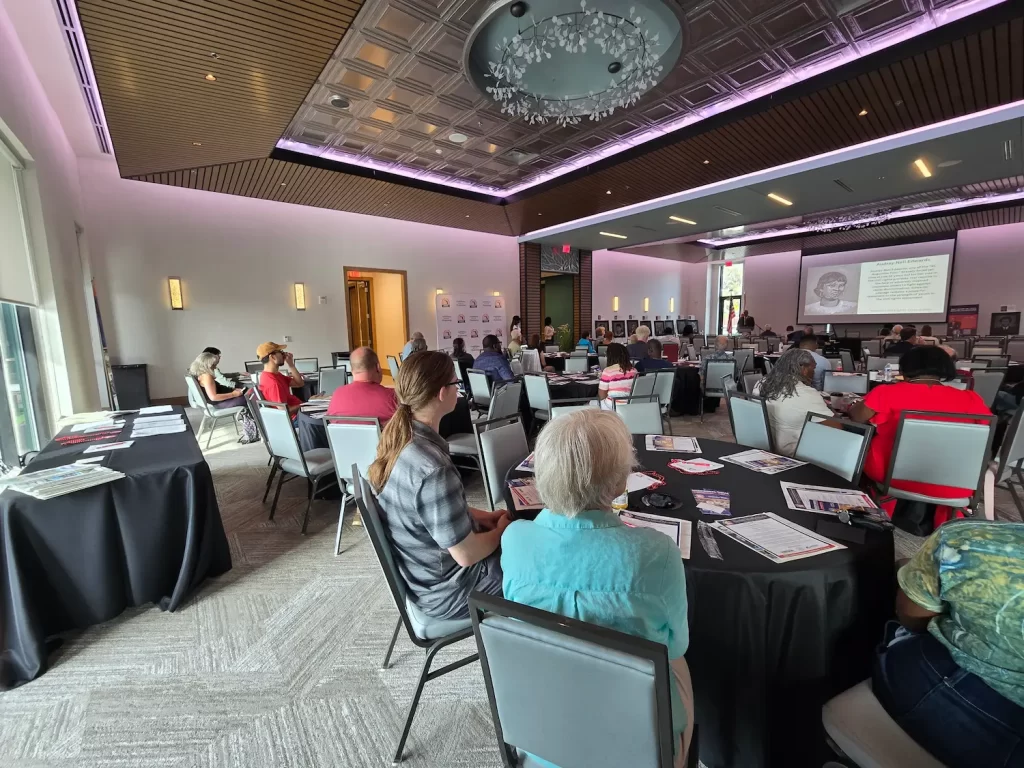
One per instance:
(443, 509)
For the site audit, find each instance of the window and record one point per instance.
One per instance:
(730, 292)
(21, 417)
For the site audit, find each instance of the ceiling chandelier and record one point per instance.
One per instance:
(575, 64)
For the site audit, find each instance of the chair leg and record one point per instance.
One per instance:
(1016, 499)
(277, 493)
(309, 503)
(391, 645)
(415, 703)
(202, 426)
(270, 480)
(235, 419)
(341, 522)
(213, 428)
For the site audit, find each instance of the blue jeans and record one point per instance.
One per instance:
(950, 712)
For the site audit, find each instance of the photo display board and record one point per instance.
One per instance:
(469, 316)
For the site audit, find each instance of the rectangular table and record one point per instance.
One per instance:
(83, 558)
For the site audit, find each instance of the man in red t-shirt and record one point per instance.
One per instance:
(275, 386)
(364, 396)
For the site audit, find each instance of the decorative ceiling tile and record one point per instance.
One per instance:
(401, 23)
(376, 56)
(785, 22)
(727, 51)
(445, 44)
(425, 74)
(882, 16)
(811, 46)
(405, 98)
(708, 21)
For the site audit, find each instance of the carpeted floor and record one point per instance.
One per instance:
(276, 664)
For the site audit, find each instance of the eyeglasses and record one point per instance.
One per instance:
(453, 383)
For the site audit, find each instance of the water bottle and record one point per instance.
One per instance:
(888, 372)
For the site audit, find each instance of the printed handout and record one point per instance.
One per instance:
(108, 447)
(524, 494)
(712, 502)
(638, 481)
(695, 466)
(815, 498)
(775, 537)
(679, 531)
(526, 465)
(671, 443)
(762, 461)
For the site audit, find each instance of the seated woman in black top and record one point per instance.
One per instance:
(461, 357)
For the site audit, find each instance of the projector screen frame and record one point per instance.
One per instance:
(888, 243)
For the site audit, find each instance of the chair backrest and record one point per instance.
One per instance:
(280, 431)
(838, 450)
(762, 345)
(768, 364)
(856, 384)
(252, 400)
(834, 363)
(531, 361)
(957, 345)
(974, 365)
(1001, 361)
(664, 383)
(749, 418)
(576, 364)
(541, 668)
(871, 346)
(562, 407)
(691, 352)
(987, 383)
(1011, 454)
(331, 379)
(505, 400)
(960, 382)
(252, 366)
(750, 380)
(602, 349)
(671, 352)
(1015, 349)
(353, 442)
(744, 359)
(479, 385)
(641, 414)
(643, 385)
(584, 347)
(602, 361)
(716, 369)
(393, 366)
(502, 445)
(196, 396)
(307, 364)
(986, 352)
(847, 358)
(579, 353)
(879, 363)
(516, 366)
(537, 394)
(941, 449)
(551, 349)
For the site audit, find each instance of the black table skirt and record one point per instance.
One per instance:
(81, 559)
(771, 643)
(558, 363)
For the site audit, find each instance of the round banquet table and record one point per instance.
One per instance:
(558, 363)
(771, 643)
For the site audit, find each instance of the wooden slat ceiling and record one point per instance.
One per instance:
(151, 57)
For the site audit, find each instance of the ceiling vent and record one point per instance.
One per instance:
(76, 48)
(729, 211)
(843, 185)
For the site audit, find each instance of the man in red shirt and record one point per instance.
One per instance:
(364, 396)
(275, 386)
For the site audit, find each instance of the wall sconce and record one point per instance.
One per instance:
(647, 304)
(174, 288)
(439, 291)
(615, 303)
(300, 297)
(497, 293)
(671, 305)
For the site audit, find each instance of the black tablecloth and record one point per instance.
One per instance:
(771, 643)
(81, 559)
(558, 363)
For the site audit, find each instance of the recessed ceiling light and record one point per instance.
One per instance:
(681, 220)
(540, 214)
(779, 199)
(214, 55)
(707, 162)
(458, 138)
(467, 215)
(338, 101)
(211, 77)
(949, 163)
(608, 192)
(862, 113)
(437, 151)
(612, 234)
(284, 183)
(922, 166)
(197, 143)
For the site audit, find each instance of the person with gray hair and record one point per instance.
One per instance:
(204, 369)
(578, 559)
(721, 353)
(412, 346)
(789, 396)
(638, 349)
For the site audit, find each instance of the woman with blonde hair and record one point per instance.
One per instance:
(204, 369)
(444, 548)
(579, 560)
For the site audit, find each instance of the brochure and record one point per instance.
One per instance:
(775, 537)
(762, 461)
(695, 466)
(524, 494)
(712, 502)
(672, 444)
(679, 531)
(816, 498)
(526, 465)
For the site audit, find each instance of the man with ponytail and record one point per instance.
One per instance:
(444, 548)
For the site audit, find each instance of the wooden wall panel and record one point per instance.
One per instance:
(529, 289)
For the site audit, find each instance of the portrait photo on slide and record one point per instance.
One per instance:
(832, 290)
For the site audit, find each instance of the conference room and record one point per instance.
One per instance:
(350, 347)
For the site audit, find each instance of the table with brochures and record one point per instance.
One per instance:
(71, 561)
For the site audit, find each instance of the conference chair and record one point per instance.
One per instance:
(941, 449)
(986, 351)
(1007, 470)
(744, 359)
(253, 366)
(856, 383)
(569, 405)
(762, 346)
(973, 365)
(671, 352)
(393, 366)
(537, 395)
(994, 361)
(879, 363)
(252, 399)
(751, 380)
(959, 346)
(602, 361)
(714, 380)
(306, 365)
(602, 350)
(643, 384)
(846, 356)
(551, 349)
(859, 726)
(835, 363)
(516, 366)
(1015, 350)
(871, 347)
(768, 365)
(987, 383)
(576, 364)
(353, 442)
(748, 416)
(316, 465)
(543, 668)
(504, 403)
(531, 361)
(255, 376)
(432, 635)
(838, 450)
(501, 444)
(642, 414)
(664, 385)
(331, 379)
(211, 416)
(479, 387)
(691, 352)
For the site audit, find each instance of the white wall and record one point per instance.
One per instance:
(632, 278)
(769, 289)
(238, 258)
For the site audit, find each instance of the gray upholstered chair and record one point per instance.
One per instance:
(538, 395)
(531, 361)
(353, 441)
(502, 445)
(744, 357)
(253, 366)
(479, 388)
(393, 366)
(878, 363)
(504, 403)
(306, 365)
(871, 347)
(959, 346)
(838, 450)
(643, 384)
(750, 381)
(316, 466)
(664, 386)
(576, 364)
(714, 384)
(748, 416)
(332, 378)
(641, 413)
(609, 692)
(1008, 468)
(856, 383)
(847, 358)
(424, 632)
(211, 416)
(569, 405)
(252, 399)
(987, 383)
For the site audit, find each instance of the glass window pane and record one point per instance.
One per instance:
(17, 392)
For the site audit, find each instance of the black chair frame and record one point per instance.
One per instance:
(1004, 452)
(730, 394)
(866, 430)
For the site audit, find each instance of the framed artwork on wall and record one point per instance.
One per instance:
(1005, 324)
(631, 326)
(619, 329)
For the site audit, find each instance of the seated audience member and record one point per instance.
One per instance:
(408, 348)
(599, 333)
(768, 333)
(444, 549)
(493, 361)
(821, 364)
(365, 396)
(792, 337)
(688, 333)
(616, 378)
(789, 397)
(549, 331)
(585, 341)
(225, 383)
(461, 357)
(908, 340)
(638, 349)
(925, 336)
(579, 560)
(204, 368)
(892, 337)
(418, 345)
(515, 343)
(274, 385)
(654, 361)
(535, 343)
(956, 683)
(924, 368)
(608, 338)
(721, 353)
(631, 339)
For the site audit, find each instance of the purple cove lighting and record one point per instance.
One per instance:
(73, 27)
(938, 18)
(866, 221)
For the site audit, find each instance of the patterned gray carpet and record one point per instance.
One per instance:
(276, 664)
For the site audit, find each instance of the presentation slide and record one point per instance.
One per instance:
(902, 282)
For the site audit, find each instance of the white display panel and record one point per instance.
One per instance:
(469, 316)
(908, 283)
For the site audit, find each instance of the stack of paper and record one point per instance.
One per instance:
(90, 427)
(672, 444)
(524, 494)
(48, 483)
(775, 537)
(147, 426)
(678, 530)
(816, 498)
(762, 461)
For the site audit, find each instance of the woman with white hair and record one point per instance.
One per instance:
(789, 394)
(638, 349)
(579, 560)
(204, 369)
(515, 344)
